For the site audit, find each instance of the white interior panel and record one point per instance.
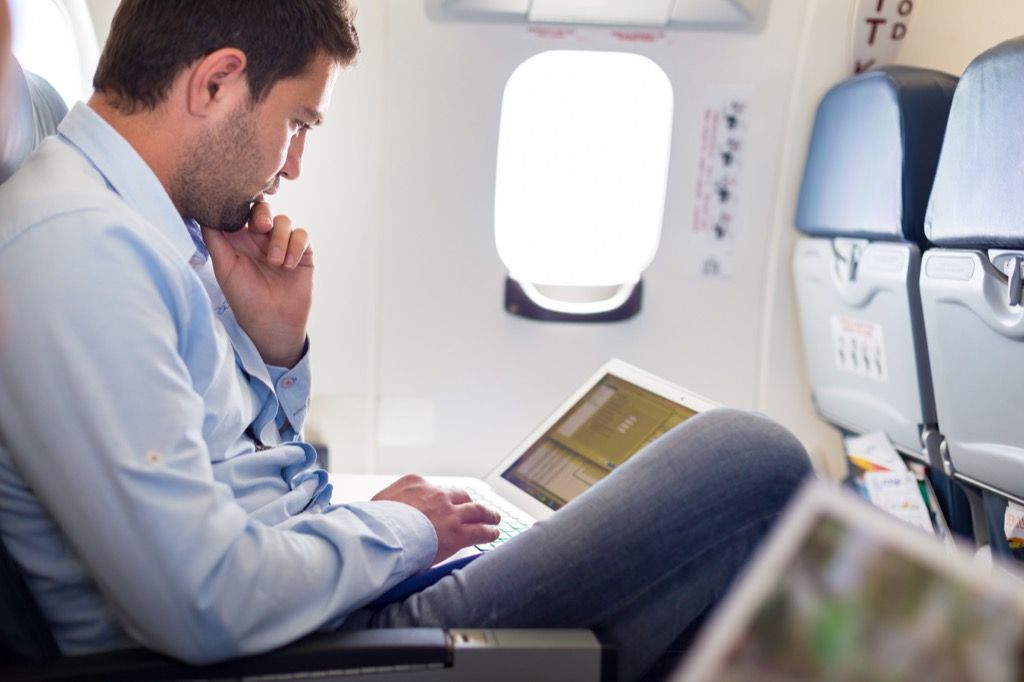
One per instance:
(643, 12)
(724, 11)
(520, 7)
(444, 335)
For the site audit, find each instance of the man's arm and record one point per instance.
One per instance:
(101, 417)
(266, 273)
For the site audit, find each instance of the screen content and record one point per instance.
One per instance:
(614, 420)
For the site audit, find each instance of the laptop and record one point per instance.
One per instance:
(613, 415)
(843, 591)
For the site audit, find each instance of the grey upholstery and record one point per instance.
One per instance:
(978, 198)
(870, 165)
(32, 110)
(970, 289)
(872, 156)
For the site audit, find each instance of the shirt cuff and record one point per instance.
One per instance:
(410, 526)
(292, 387)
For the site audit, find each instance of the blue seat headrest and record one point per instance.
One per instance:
(33, 111)
(873, 152)
(978, 198)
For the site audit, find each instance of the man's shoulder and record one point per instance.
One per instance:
(55, 179)
(58, 188)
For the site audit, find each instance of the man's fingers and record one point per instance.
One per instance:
(261, 219)
(458, 496)
(479, 534)
(298, 248)
(458, 520)
(221, 251)
(280, 236)
(474, 512)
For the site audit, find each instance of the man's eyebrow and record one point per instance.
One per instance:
(314, 117)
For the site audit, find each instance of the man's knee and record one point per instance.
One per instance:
(741, 454)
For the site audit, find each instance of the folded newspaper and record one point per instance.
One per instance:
(884, 479)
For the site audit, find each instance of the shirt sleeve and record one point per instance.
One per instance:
(103, 422)
(292, 388)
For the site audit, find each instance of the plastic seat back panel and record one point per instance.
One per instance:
(861, 339)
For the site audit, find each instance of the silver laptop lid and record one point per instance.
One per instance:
(845, 592)
(618, 411)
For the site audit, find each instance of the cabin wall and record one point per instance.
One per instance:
(418, 367)
(423, 369)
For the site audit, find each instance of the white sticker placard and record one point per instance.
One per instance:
(720, 160)
(879, 28)
(562, 33)
(898, 493)
(1013, 525)
(859, 347)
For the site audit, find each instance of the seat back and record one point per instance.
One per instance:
(32, 110)
(869, 171)
(971, 281)
(25, 634)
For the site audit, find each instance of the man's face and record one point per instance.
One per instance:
(239, 159)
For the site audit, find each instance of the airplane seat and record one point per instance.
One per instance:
(971, 281)
(24, 632)
(869, 171)
(870, 165)
(33, 110)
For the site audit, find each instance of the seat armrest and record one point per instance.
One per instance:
(385, 655)
(344, 652)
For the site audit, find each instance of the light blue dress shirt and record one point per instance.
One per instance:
(132, 491)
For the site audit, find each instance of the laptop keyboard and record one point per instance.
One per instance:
(513, 520)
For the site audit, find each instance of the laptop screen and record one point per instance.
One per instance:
(611, 422)
(850, 606)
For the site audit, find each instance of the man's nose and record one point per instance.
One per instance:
(292, 167)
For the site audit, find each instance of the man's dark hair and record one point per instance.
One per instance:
(151, 41)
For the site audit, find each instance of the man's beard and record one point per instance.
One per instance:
(205, 185)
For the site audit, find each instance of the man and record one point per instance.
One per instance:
(155, 380)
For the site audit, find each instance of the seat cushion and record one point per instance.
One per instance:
(873, 153)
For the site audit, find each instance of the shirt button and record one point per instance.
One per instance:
(288, 382)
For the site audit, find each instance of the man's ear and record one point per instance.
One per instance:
(217, 79)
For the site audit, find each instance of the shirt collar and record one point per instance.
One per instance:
(127, 174)
(200, 255)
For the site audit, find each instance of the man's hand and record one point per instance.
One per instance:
(458, 521)
(266, 273)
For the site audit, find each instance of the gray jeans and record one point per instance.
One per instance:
(639, 556)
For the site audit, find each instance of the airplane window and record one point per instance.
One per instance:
(583, 154)
(54, 39)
